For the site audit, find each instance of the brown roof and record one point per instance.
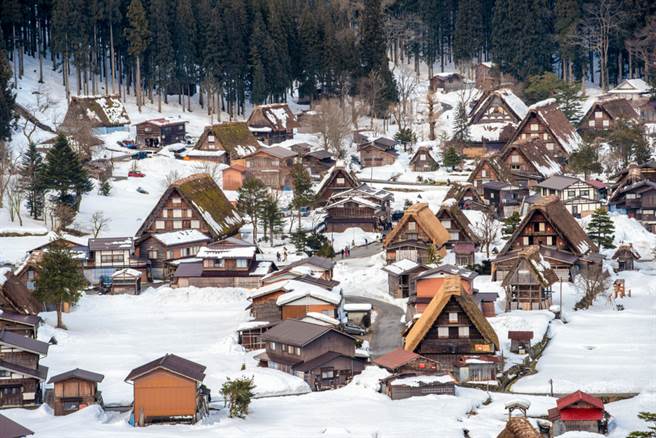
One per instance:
(77, 373)
(277, 152)
(426, 220)
(520, 335)
(519, 427)
(459, 190)
(276, 116)
(110, 244)
(423, 150)
(395, 359)
(555, 121)
(209, 201)
(98, 111)
(535, 151)
(455, 213)
(233, 137)
(18, 298)
(23, 343)
(626, 248)
(616, 109)
(563, 222)
(11, 429)
(297, 333)
(40, 372)
(31, 320)
(494, 160)
(338, 169)
(452, 287)
(542, 271)
(172, 363)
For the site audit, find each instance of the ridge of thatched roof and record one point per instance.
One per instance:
(555, 122)
(234, 137)
(536, 153)
(562, 221)
(455, 213)
(426, 220)
(459, 190)
(276, 116)
(338, 168)
(516, 105)
(494, 160)
(451, 287)
(519, 427)
(541, 268)
(423, 150)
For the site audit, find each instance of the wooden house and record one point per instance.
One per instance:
(547, 123)
(74, 390)
(354, 212)
(11, 429)
(488, 76)
(126, 281)
(626, 256)
(453, 331)
(110, 254)
(169, 389)
(604, 115)
(358, 314)
(417, 235)
(338, 179)
(456, 223)
(466, 196)
(401, 277)
(322, 356)
(191, 203)
(230, 262)
(377, 152)
(430, 282)
(634, 90)
(600, 187)
(648, 111)
(21, 375)
(24, 325)
(447, 82)
(315, 266)
(578, 412)
(381, 198)
(164, 249)
(272, 165)
(504, 198)
(637, 201)
(579, 197)
(164, 131)
(226, 142)
(494, 118)
(273, 123)
(402, 386)
(28, 271)
(549, 225)
(488, 168)
(318, 162)
(233, 177)
(400, 361)
(528, 282)
(520, 341)
(465, 253)
(103, 114)
(632, 174)
(250, 334)
(423, 160)
(15, 297)
(529, 163)
(321, 319)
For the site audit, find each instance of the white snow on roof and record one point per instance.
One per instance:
(416, 381)
(487, 131)
(180, 237)
(551, 168)
(243, 151)
(542, 103)
(202, 153)
(514, 102)
(401, 266)
(320, 318)
(127, 271)
(449, 202)
(114, 110)
(261, 269)
(308, 290)
(251, 325)
(3, 272)
(357, 200)
(637, 86)
(357, 307)
(233, 219)
(261, 129)
(277, 116)
(242, 252)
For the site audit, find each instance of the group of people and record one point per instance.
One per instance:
(345, 252)
(283, 257)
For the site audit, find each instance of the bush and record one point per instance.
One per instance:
(237, 395)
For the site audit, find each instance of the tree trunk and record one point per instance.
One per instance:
(14, 55)
(40, 50)
(60, 320)
(111, 57)
(159, 99)
(137, 85)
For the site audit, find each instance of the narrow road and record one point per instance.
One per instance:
(364, 251)
(386, 328)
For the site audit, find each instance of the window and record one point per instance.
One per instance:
(606, 123)
(585, 193)
(598, 114)
(153, 254)
(160, 225)
(242, 263)
(275, 163)
(443, 332)
(453, 316)
(327, 373)
(545, 136)
(550, 146)
(71, 405)
(454, 235)
(483, 173)
(169, 254)
(177, 225)
(220, 263)
(5, 373)
(549, 240)
(591, 123)
(177, 212)
(272, 345)
(515, 158)
(290, 349)
(210, 138)
(526, 241)
(248, 164)
(446, 223)
(340, 180)
(422, 157)
(165, 212)
(535, 127)
(523, 136)
(176, 200)
(571, 193)
(297, 351)
(541, 227)
(188, 212)
(195, 223)
(412, 226)
(463, 332)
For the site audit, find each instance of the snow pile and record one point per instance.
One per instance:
(416, 381)
(350, 237)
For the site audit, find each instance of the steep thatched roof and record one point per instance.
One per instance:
(519, 427)
(425, 220)
(494, 161)
(514, 105)
(540, 268)
(424, 150)
(453, 211)
(451, 288)
(459, 190)
(275, 116)
(535, 152)
(15, 297)
(619, 108)
(563, 222)
(338, 170)
(95, 112)
(209, 201)
(233, 137)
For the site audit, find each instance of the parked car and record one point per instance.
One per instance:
(136, 174)
(353, 329)
(397, 215)
(305, 211)
(142, 190)
(130, 144)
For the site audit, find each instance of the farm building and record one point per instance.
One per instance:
(380, 151)
(520, 341)
(126, 281)
(494, 117)
(604, 115)
(430, 281)
(401, 386)
(110, 254)
(634, 90)
(447, 82)
(400, 361)
(103, 114)
(488, 168)
(579, 197)
(165, 250)
(272, 123)
(466, 196)
(74, 390)
(578, 412)
(272, 165)
(225, 142)
(423, 160)
(164, 131)
(456, 223)
(401, 277)
(626, 257)
(338, 179)
(22, 375)
(504, 197)
(528, 283)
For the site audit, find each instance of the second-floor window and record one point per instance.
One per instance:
(463, 332)
(242, 263)
(453, 316)
(443, 332)
(340, 180)
(220, 263)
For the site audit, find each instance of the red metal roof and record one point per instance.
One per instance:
(578, 396)
(395, 359)
(577, 414)
(520, 335)
(596, 183)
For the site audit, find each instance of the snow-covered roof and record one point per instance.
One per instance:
(263, 268)
(356, 199)
(3, 274)
(309, 291)
(401, 266)
(487, 131)
(127, 272)
(357, 307)
(164, 121)
(316, 317)
(202, 153)
(632, 86)
(181, 237)
(421, 380)
(244, 252)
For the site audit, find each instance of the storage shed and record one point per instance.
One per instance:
(398, 387)
(579, 411)
(126, 281)
(168, 389)
(74, 390)
(520, 341)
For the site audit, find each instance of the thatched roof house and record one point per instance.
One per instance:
(425, 221)
(15, 297)
(232, 137)
(519, 427)
(98, 112)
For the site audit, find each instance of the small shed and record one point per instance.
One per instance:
(400, 361)
(168, 389)
(447, 82)
(358, 313)
(11, 429)
(464, 252)
(401, 277)
(164, 131)
(579, 411)
(520, 341)
(126, 281)
(250, 334)
(398, 387)
(75, 390)
(626, 255)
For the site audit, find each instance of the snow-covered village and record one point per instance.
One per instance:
(327, 218)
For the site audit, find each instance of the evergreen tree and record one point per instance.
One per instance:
(31, 180)
(510, 224)
(137, 35)
(185, 59)
(250, 199)
(568, 16)
(585, 160)
(272, 217)
(649, 417)
(259, 87)
(105, 188)
(303, 193)
(60, 280)
(568, 95)
(64, 173)
(451, 157)
(468, 36)
(629, 142)
(237, 395)
(7, 98)
(461, 128)
(601, 229)
(161, 48)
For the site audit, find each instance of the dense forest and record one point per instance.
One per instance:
(233, 51)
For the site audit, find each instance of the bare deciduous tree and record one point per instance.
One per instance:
(333, 123)
(15, 196)
(592, 281)
(487, 230)
(7, 168)
(170, 178)
(406, 84)
(62, 216)
(99, 223)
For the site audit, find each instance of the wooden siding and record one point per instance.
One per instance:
(164, 394)
(534, 128)
(80, 392)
